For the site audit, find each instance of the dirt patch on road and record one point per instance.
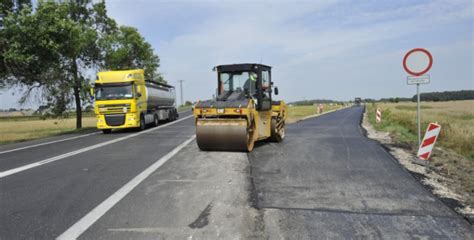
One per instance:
(442, 182)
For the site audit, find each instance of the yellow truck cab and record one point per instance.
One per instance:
(124, 99)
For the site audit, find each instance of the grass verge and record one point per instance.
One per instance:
(296, 113)
(19, 131)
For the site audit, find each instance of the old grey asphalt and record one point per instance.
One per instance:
(326, 180)
(42, 202)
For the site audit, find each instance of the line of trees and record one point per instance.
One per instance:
(50, 52)
(434, 97)
(314, 101)
(446, 96)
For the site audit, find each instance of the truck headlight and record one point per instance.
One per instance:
(131, 119)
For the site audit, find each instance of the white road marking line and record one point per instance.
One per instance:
(46, 143)
(85, 222)
(56, 141)
(52, 159)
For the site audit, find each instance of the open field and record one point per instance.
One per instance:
(298, 112)
(456, 119)
(454, 151)
(28, 129)
(19, 116)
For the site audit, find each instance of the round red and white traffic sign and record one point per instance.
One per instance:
(417, 61)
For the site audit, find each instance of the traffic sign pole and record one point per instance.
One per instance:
(417, 77)
(418, 116)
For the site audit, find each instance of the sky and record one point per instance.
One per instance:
(332, 49)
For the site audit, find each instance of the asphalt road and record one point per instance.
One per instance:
(326, 180)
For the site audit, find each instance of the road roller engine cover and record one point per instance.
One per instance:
(243, 111)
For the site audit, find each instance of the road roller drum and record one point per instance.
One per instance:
(224, 135)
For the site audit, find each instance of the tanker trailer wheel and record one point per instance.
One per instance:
(277, 134)
(142, 123)
(156, 121)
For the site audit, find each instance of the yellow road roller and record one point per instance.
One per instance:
(242, 112)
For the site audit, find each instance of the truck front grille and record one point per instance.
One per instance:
(115, 120)
(116, 108)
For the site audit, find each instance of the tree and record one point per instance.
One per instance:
(48, 49)
(8, 7)
(52, 49)
(126, 48)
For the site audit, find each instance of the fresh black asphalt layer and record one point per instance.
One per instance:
(328, 180)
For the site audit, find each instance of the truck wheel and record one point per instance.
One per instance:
(106, 131)
(142, 123)
(174, 115)
(156, 121)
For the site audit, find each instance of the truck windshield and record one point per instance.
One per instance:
(104, 92)
(238, 81)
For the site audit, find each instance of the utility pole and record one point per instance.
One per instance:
(181, 91)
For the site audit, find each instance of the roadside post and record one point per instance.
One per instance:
(426, 147)
(378, 115)
(417, 62)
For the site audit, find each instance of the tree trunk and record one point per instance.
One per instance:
(77, 95)
(77, 98)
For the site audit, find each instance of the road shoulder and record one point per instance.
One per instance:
(428, 176)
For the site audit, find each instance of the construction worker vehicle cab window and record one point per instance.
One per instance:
(243, 111)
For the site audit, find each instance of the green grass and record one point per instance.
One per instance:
(19, 131)
(296, 113)
(184, 108)
(410, 108)
(457, 125)
(39, 117)
(46, 133)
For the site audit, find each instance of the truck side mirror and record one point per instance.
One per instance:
(92, 93)
(276, 90)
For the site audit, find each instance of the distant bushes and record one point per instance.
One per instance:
(432, 97)
(446, 96)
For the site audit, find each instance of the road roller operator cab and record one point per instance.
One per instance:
(243, 111)
(251, 81)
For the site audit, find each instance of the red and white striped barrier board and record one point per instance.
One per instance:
(429, 141)
(378, 115)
